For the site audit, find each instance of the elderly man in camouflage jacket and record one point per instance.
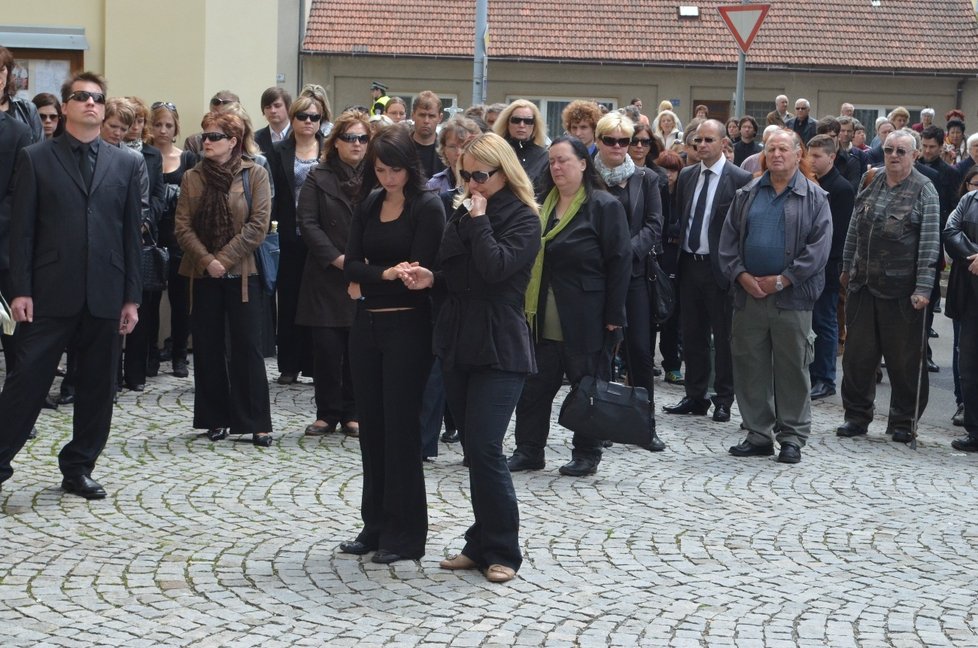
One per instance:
(888, 268)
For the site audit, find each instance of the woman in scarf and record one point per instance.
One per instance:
(222, 217)
(481, 337)
(327, 202)
(639, 192)
(575, 301)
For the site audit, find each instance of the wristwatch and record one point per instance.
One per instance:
(778, 285)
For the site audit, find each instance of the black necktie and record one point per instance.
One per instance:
(699, 213)
(85, 165)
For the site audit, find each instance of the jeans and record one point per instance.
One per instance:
(825, 323)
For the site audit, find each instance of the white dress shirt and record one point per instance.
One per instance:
(715, 172)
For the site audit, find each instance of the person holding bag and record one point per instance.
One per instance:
(222, 217)
(575, 298)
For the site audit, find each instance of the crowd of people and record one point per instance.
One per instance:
(452, 274)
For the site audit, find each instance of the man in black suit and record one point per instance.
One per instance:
(275, 104)
(704, 291)
(74, 266)
(802, 123)
(14, 135)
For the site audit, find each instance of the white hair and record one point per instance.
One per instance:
(767, 131)
(927, 111)
(972, 139)
(803, 101)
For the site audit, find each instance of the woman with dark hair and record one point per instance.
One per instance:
(670, 339)
(18, 108)
(575, 300)
(49, 112)
(164, 127)
(222, 217)
(397, 224)
(645, 146)
(325, 210)
(521, 124)
(733, 129)
(482, 339)
(290, 162)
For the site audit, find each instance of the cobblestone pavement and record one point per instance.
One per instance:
(865, 543)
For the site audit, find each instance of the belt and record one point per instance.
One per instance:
(696, 257)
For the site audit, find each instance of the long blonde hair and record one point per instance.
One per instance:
(492, 150)
(501, 127)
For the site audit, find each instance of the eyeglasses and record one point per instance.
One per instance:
(84, 95)
(641, 142)
(304, 116)
(702, 140)
(48, 117)
(350, 138)
(529, 121)
(164, 104)
(214, 137)
(900, 152)
(620, 141)
(479, 177)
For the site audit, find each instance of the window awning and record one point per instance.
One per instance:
(43, 37)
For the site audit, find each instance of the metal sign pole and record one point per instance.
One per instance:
(480, 62)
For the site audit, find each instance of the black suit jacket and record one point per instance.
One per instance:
(642, 201)
(841, 200)
(263, 138)
(731, 179)
(281, 161)
(14, 135)
(157, 194)
(588, 266)
(71, 247)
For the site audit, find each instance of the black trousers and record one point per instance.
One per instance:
(535, 406)
(891, 329)
(294, 345)
(968, 368)
(484, 402)
(230, 385)
(142, 341)
(670, 338)
(706, 309)
(37, 351)
(639, 335)
(390, 357)
(178, 291)
(334, 385)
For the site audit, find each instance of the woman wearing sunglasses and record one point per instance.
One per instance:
(326, 205)
(219, 224)
(575, 301)
(639, 191)
(482, 338)
(49, 111)
(290, 161)
(398, 224)
(521, 124)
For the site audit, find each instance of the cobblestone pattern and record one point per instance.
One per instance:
(865, 543)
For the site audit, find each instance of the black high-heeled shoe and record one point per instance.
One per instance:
(262, 439)
(216, 434)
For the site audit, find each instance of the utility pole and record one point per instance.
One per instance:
(481, 61)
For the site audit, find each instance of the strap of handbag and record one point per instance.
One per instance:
(246, 187)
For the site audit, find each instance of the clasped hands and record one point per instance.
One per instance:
(761, 287)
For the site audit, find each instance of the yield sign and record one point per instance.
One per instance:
(744, 21)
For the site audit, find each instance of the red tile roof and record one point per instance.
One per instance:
(899, 35)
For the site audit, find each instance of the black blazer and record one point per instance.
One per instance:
(14, 135)
(485, 268)
(281, 161)
(72, 248)
(263, 138)
(731, 179)
(588, 265)
(157, 191)
(841, 200)
(642, 200)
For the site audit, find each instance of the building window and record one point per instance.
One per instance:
(553, 107)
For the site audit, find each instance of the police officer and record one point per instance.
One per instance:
(378, 93)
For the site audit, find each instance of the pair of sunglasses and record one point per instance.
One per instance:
(304, 116)
(529, 121)
(620, 141)
(479, 177)
(350, 138)
(84, 95)
(214, 137)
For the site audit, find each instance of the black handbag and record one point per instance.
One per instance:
(662, 293)
(154, 265)
(608, 411)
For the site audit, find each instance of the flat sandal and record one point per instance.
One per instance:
(500, 574)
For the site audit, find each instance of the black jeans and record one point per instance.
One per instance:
(230, 385)
(294, 347)
(178, 292)
(535, 406)
(484, 402)
(142, 340)
(390, 357)
(334, 385)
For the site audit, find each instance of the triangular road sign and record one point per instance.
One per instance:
(744, 21)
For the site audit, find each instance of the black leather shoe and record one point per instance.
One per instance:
(449, 436)
(790, 454)
(84, 486)
(849, 429)
(932, 366)
(153, 368)
(579, 467)
(902, 436)
(520, 462)
(931, 333)
(607, 444)
(66, 399)
(688, 406)
(355, 547)
(721, 413)
(50, 402)
(262, 440)
(745, 449)
(657, 445)
(288, 379)
(822, 390)
(966, 444)
(958, 418)
(136, 386)
(216, 434)
(384, 557)
(180, 369)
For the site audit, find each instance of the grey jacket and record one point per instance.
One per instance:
(808, 239)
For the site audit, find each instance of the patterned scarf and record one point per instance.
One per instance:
(213, 221)
(616, 176)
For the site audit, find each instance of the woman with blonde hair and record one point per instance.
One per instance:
(666, 125)
(521, 124)
(482, 337)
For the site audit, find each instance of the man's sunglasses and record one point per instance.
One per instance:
(900, 152)
(479, 177)
(84, 95)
